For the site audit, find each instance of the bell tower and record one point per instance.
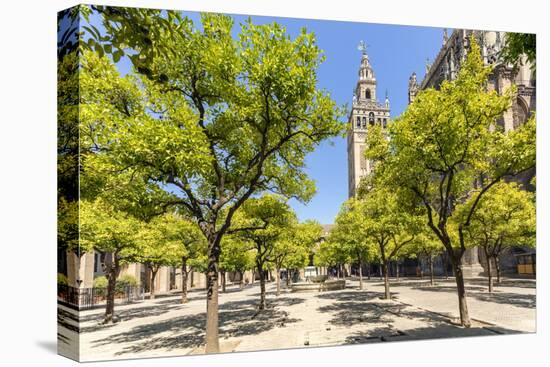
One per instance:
(366, 111)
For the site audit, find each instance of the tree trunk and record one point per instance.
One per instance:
(223, 281)
(112, 268)
(288, 278)
(149, 279)
(110, 308)
(278, 280)
(386, 280)
(380, 266)
(152, 289)
(461, 291)
(431, 263)
(360, 274)
(497, 265)
(261, 306)
(489, 273)
(192, 278)
(212, 320)
(241, 279)
(184, 280)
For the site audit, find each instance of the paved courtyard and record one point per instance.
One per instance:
(164, 327)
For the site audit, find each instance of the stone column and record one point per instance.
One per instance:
(86, 271)
(80, 270)
(470, 263)
(178, 278)
(163, 280)
(72, 268)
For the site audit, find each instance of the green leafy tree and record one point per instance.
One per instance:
(232, 117)
(505, 217)
(116, 235)
(426, 245)
(293, 250)
(332, 254)
(519, 46)
(350, 234)
(159, 247)
(187, 243)
(236, 256)
(447, 142)
(387, 223)
(263, 222)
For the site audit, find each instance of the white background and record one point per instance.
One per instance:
(28, 183)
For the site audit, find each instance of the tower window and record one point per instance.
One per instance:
(367, 94)
(385, 121)
(364, 122)
(358, 121)
(371, 118)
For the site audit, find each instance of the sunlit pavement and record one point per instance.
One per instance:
(165, 327)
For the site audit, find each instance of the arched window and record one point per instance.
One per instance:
(384, 123)
(367, 94)
(358, 121)
(520, 113)
(371, 118)
(364, 122)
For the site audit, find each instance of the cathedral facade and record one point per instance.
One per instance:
(452, 53)
(445, 67)
(366, 111)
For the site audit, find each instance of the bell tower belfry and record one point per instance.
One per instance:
(366, 111)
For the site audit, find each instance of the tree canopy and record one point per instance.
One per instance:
(505, 217)
(225, 118)
(447, 142)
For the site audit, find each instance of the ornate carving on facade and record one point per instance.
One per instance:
(453, 52)
(413, 87)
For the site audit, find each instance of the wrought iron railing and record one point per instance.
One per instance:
(86, 298)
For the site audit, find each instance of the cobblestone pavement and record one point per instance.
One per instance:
(164, 327)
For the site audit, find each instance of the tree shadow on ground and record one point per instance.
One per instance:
(357, 295)
(516, 283)
(65, 339)
(253, 302)
(151, 310)
(355, 307)
(68, 319)
(229, 290)
(444, 288)
(177, 300)
(481, 294)
(267, 293)
(514, 299)
(238, 318)
(350, 313)
(353, 312)
(433, 331)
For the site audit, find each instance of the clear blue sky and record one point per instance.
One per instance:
(394, 51)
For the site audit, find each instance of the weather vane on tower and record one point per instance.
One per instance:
(362, 47)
